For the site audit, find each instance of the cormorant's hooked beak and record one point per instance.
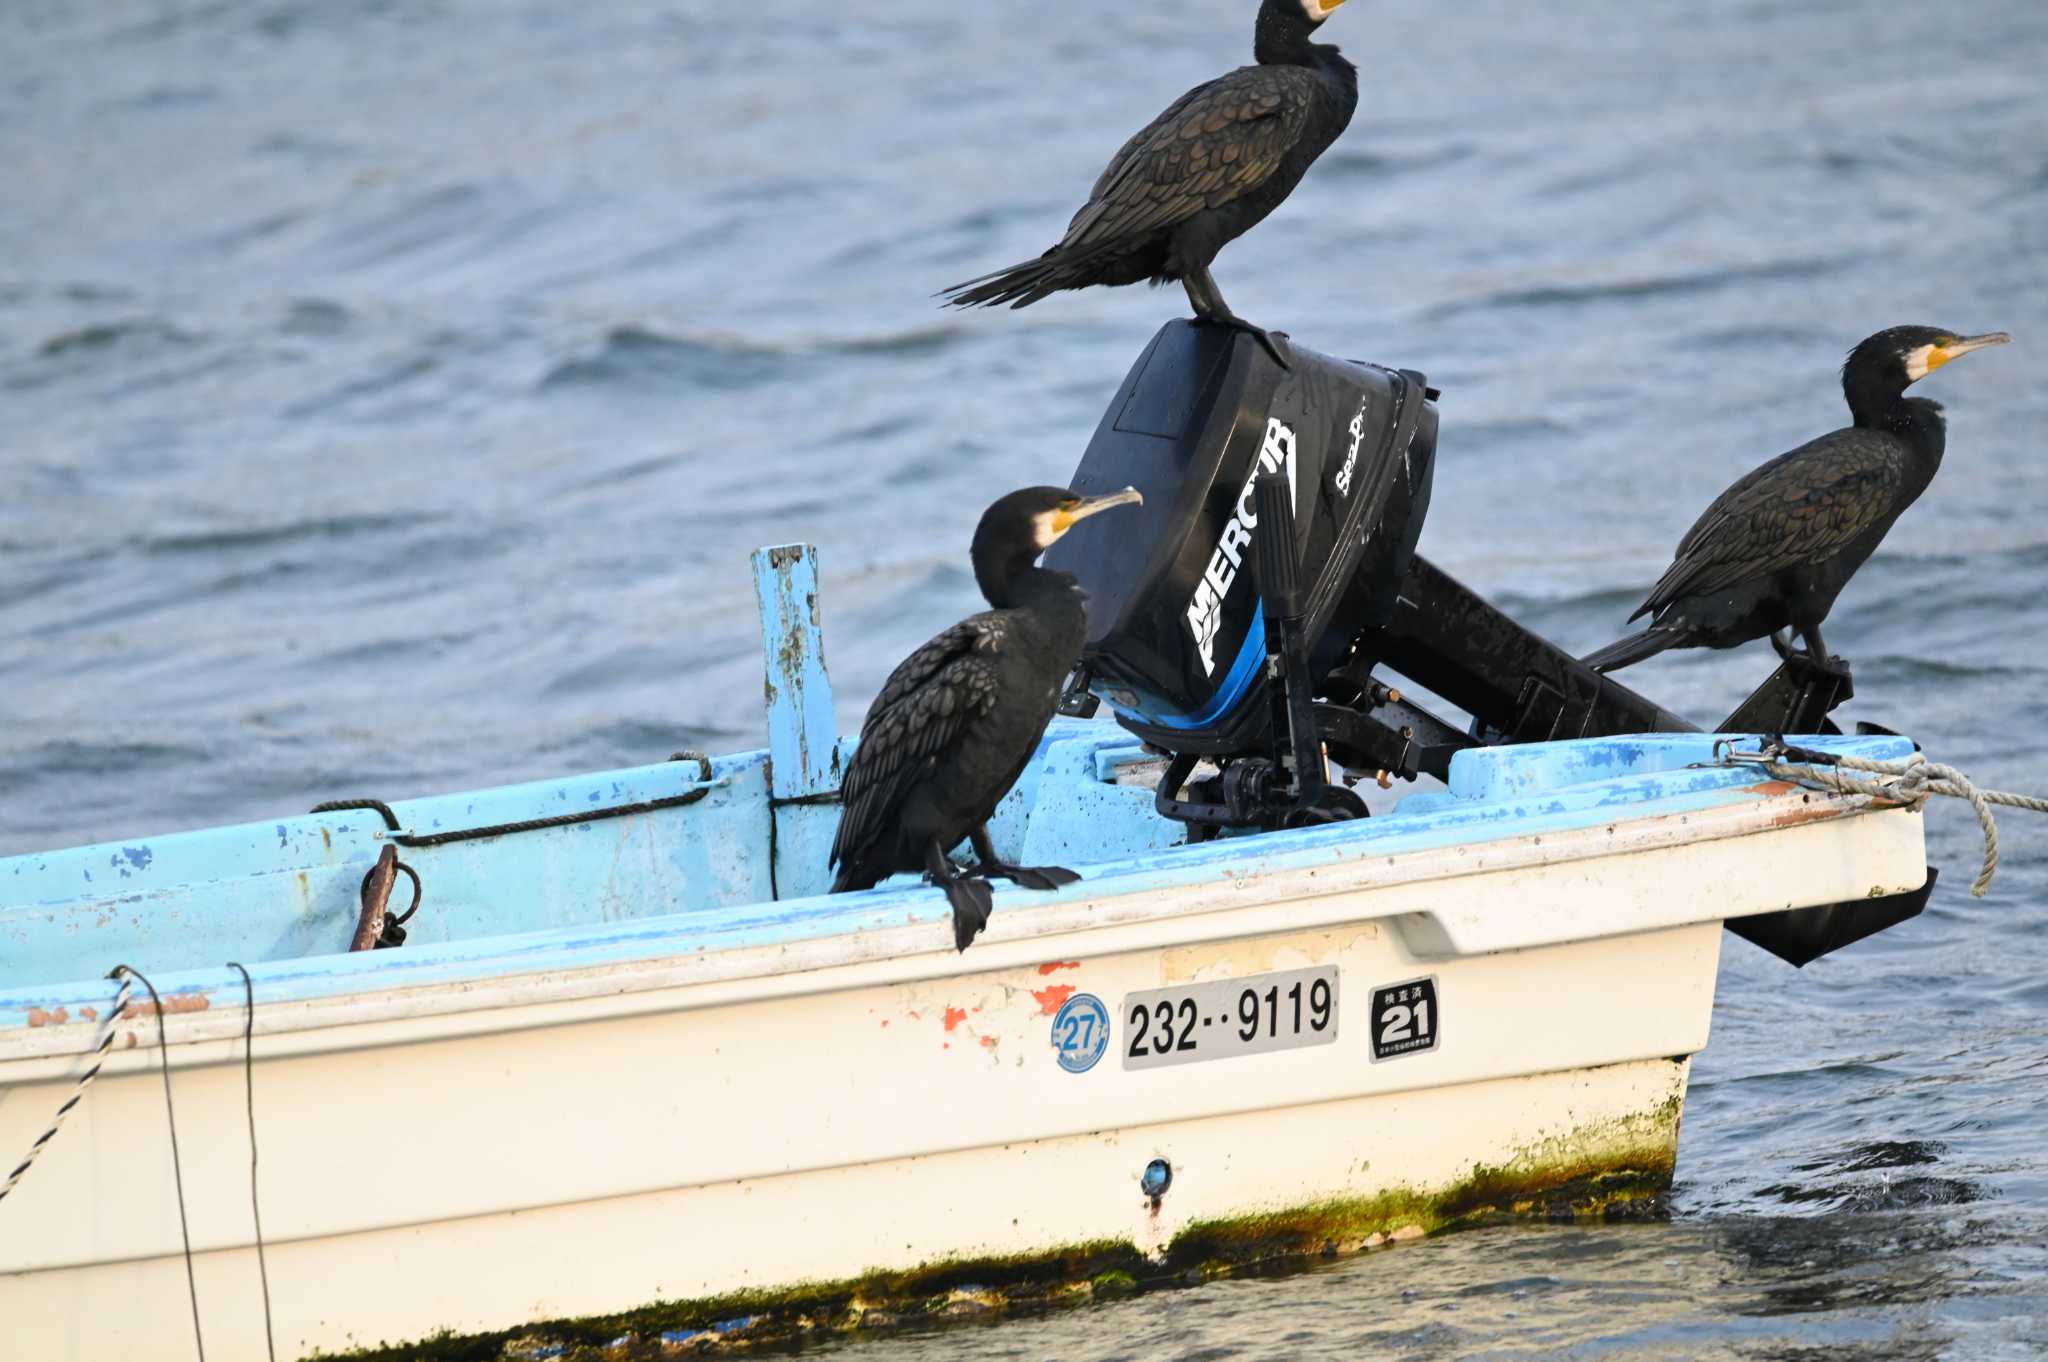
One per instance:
(1963, 345)
(1066, 517)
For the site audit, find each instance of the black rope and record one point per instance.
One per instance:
(344, 805)
(436, 839)
(177, 1165)
(249, 1091)
(1805, 756)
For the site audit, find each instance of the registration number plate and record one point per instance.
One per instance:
(1230, 1017)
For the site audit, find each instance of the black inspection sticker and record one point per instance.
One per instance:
(1405, 1019)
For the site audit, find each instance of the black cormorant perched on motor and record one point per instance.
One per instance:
(955, 724)
(1201, 174)
(1775, 549)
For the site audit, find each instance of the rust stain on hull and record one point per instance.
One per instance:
(38, 1017)
(1772, 787)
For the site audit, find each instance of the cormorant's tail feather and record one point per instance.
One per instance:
(1626, 651)
(1019, 285)
(855, 872)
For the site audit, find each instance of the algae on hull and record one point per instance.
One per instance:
(1620, 1169)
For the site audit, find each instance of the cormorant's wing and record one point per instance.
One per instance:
(1804, 506)
(1217, 142)
(922, 711)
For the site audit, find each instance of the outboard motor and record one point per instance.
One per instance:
(1177, 633)
(1188, 642)
(1241, 615)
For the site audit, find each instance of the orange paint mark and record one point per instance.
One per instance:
(38, 1017)
(954, 1016)
(176, 1002)
(885, 1023)
(1049, 999)
(915, 1017)
(1058, 964)
(1773, 787)
(947, 1045)
(988, 1042)
(89, 1013)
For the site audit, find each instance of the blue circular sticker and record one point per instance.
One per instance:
(1080, 1032)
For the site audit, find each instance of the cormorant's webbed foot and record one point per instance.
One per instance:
(1781, 640)
(1811, 671)
(1816, 662)
(1029, 876)
(1274, 341)
(969, 894)
(1207, 300)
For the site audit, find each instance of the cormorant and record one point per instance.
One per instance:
(955, 724)
(1775, 549)
(1201, 174)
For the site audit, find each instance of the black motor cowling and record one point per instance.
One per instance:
(1176, 633)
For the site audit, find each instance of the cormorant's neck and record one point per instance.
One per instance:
(1019, 582)
(1925, 430)
(1885, 406)
(1876, 400)
(1282, 40)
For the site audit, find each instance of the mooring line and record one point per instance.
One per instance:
(163, 1042)
(1909, 782)
(99, 1058)
(249, 1093)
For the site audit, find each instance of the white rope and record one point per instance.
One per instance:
(99, 1057)
(1910, 782)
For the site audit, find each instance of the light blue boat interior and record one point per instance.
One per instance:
(742, 863)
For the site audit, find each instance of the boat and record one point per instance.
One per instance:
(623, 1078)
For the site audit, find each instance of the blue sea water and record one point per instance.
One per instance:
(391, 392)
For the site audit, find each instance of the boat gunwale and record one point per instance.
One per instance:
(1019, 935)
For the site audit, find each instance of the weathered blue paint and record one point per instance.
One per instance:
(281, 895)
(803, 737)
(805, 756)
(283, 890)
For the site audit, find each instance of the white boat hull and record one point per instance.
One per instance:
(790, 1121)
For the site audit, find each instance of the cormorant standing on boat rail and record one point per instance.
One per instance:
(1775, 549)
(955, 724)
(1200, 175)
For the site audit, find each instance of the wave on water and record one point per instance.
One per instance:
(106, 336)
(290, 532)
(1642, 286)
(1348, 161)
(315, 317)
(639, 741)
(637, 356)
(84, 756)
(1896, 669)
(917, 340)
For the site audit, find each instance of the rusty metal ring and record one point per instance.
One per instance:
(417, 894)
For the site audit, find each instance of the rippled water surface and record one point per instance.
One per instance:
(390, 393)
